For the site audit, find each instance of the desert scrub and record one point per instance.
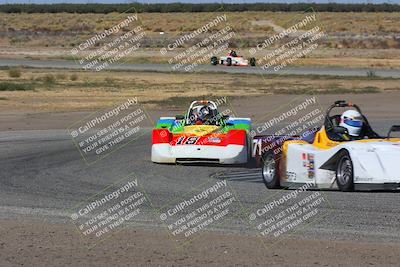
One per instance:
(10, 86)
(48, 78)
(14, 72)
(73, 77)
(61, 76)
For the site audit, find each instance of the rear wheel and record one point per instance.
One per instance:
(214, 60)
(252, 61)
(228, 61)
(270, 171)
(345, 173)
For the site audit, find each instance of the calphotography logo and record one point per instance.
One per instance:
(299, 120)
(290, 44)
(195, 49)
(110, 46)
(107, 212)
(207, 206)
(288, 212)
(105, 131)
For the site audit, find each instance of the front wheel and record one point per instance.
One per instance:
(270, 171)
(228, 61)
(345, 173)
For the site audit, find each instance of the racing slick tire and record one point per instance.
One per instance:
(252, 62)
(229, 61)
(345, 173)
(214, 60)
(270, 171)
(251, 161)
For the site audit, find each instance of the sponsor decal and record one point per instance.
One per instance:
(308, 162)
(291, 176)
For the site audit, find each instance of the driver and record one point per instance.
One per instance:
(353, 121)
(204, 115)
(232, 53)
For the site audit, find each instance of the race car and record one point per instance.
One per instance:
(202, 135)
(232, 59)
(328, 159)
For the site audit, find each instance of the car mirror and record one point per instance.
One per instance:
(179, 117)
(340, 130)
(394, 128)
(225, 117)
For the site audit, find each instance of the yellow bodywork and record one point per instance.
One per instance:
(200, 130)
(322, 141)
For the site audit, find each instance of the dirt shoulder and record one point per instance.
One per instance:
(381, 106)
(44, 244)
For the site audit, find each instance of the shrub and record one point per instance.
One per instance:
(73, 77)
(61, 76)
(14, 73)
(48, 78)
(9, 86)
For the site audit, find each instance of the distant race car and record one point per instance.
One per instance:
(201, 135)
(328, 161)
(233, 60)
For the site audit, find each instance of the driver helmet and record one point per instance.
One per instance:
(205, 114)
(353, 121)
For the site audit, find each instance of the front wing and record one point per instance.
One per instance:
(230, 148)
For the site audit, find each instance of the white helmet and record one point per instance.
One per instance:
(353, 121)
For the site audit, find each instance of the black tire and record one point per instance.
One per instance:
(251, 161)
(229, 61)
(345, 173)
(214, 60)
(252, 62)
(269, 171)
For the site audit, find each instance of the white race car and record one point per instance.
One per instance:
(231, 60)
(328, 160)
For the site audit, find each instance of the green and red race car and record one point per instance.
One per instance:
(203, 134)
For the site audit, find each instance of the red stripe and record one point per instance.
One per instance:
(234, 137)
(161, 136)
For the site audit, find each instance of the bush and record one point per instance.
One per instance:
(8, 86)
(109, 80)
(73, 77)
(48, 78)
(14, 73)
(61, 76)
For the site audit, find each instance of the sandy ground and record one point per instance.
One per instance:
(43, 244)
(375, 106)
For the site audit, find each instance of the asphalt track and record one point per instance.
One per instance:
(43, 176)
(331, 71)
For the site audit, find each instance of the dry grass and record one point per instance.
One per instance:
(68, 30)
(352, 40)
(93, 90)
(243, 22)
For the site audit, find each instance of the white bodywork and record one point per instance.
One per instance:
(236, 61)
(230, 154)
(375, 162)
